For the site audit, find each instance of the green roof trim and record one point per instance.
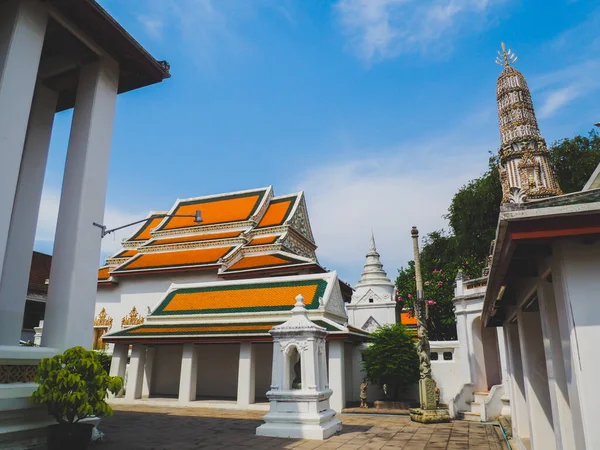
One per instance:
(314, 302)
(128, 332)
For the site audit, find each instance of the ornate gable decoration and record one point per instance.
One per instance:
(335, 304)
(370, 294)
(131, 319)
(103, 319)
(370, 325)
(300, 221)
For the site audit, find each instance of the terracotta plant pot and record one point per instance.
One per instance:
(72, 436)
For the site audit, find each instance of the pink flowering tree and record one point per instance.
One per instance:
(440, 262)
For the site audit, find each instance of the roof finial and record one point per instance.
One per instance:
(372, 243)
(506, 58)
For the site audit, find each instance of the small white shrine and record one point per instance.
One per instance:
(299, 393)
(373, 302)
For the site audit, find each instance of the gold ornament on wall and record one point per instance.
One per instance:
(103, 319)
(133, 318)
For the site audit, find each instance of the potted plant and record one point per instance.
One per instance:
(74, 386)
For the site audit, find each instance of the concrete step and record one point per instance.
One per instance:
(471, 416)
(481, 396)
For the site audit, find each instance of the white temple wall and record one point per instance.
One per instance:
(383, 313)
(166, 369)
(264, 363)
(446, 373)
(217, 370)
(352, 387)
(143, 292)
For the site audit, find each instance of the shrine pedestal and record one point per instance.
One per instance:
(438, 415)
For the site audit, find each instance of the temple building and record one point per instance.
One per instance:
(542, 285)
(196, 296)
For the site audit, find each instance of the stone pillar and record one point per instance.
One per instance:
(559, 396)
(118, 364)
(246, 375)
(15, 275)
(74, 273)
(575, 282)
(189, 374)
(519, 411)
(148, 371)
(462, 333)
(336, 375)
(537, 392)
(135, 376)
(22, 31)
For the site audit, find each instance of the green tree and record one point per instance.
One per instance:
(74, 385)
(392, 359)
(574, 160)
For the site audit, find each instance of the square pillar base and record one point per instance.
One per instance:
(438, 415)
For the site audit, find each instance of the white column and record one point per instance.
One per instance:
(336, 375)
(135, 376)
(73, 278)
(462, 333)
(15, 275)
(118, 364)
(536, 380)
(575, 268)
(246, 375)
(518, 404)
(277, 367)
(22, 30)
(502, 354)
(148, 371)
(189, 374)
(559, 396)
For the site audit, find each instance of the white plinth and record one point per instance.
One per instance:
(295, 414)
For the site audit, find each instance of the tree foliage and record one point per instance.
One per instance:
(392, 359)
(473, 217)
(74, 385)
(574, 160)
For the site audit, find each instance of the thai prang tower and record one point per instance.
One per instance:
(525, 171)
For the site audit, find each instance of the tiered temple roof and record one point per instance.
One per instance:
(242, 234)
(242, 309)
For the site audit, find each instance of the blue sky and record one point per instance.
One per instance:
(378, 109)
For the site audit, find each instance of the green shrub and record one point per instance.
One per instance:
(74, 385)
(392, 359)
(105, 360)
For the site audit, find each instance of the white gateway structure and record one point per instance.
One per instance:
(373, 302)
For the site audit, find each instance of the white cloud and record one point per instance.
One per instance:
(388, 192)
(560, 88)
(113, 217)
(383, 29)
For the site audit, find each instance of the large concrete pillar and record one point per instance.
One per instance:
(518, 403)
(15, 275)
(336, 375)
(559, 395)
(148, 367)
(135, 376)
(246, 375)
(535, 374)
(73, 278)
(22, 31)
(189, 374)
(118, 364)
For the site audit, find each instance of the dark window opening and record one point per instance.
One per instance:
(448, 356)
(434, 356)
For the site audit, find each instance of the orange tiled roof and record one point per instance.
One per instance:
(194, 238)
(221, 209)
(104, 273)
(407, 318)
(257, 261)
(277, 212)
(173, 259)
(143, 234)
(262, 240)
(245, 297)
(126, 253)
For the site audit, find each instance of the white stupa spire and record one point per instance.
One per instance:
(373, 273)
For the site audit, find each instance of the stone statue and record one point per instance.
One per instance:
(363, 393)
(385, 390)
(297, 383)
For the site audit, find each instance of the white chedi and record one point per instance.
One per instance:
(299, 393)
(373, 302)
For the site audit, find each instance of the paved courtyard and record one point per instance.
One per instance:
(158, 428)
